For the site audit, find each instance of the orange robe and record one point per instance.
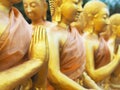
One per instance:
(72, 56)
(15, 40)
(102, 54)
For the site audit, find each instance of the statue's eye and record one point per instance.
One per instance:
(76, 1)
(33, 4)
(105, 17)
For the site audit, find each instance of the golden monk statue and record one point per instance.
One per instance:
(98, 64)
(15, 35)
(114, 46)
(36, 11)
(67, 60)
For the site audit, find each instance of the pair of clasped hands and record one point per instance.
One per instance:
(39, 44)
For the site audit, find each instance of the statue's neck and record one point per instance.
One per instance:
(38, 22)
(91, 29)
(91, 35)
(88, 29)
(64, 23)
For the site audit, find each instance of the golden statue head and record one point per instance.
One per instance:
(65, 9)
(35, 9)
(115, 24)
(96, 14)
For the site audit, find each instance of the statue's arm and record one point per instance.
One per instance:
(60, 80)
(16, 75)
(100, 73)
(39, 55)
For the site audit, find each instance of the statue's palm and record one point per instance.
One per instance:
(39, 44)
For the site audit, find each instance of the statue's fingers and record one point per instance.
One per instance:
(40, 30)
(47, 46)
(40, 33)
(37, 34)
(34, 35)
(44, 34)
(30, 48)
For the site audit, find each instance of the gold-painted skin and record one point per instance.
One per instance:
(48, 41)
(36, 11)
(96, 13)
(106, 34)
(61, 15)
(80, 23)
(12, 77)
(114, 46)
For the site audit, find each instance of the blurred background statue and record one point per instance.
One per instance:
(99, 64)
(114, 46)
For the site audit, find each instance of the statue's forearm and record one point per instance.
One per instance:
(39, 80)
(58, 79)
(89, 82)
(102, 73)
(16, 75)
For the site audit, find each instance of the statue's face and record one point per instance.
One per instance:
(34, 9)
(71, 9)
(101, 20)
(116, 29)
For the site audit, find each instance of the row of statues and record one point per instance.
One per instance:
(78, 50)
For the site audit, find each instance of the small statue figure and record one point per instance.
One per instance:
(69, 60)
(36, 11)
(114, 45)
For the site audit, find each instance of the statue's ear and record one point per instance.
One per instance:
(58, 14)
(91, 19)
(90, 16)
(45, 10)
(46, 6)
